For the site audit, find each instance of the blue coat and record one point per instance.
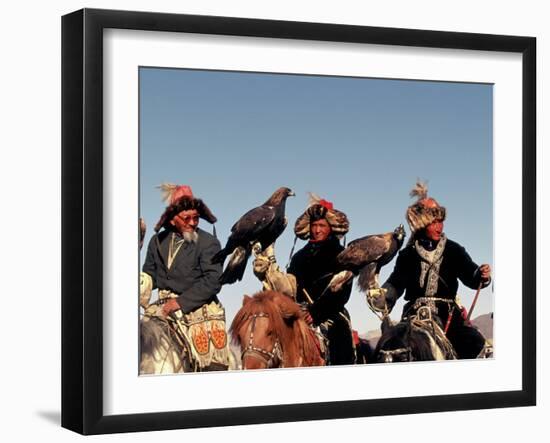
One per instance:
(192, 274)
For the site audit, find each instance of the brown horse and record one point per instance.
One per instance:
(272, 333)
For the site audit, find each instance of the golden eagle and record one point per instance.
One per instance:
(142, 231)
(262, 225)
(366, 256)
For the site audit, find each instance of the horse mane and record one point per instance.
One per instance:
(421, 347)
(285, 322)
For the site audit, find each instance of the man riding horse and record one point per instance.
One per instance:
(308, 274)
(427, 270)
(313, 266)
(178, 263)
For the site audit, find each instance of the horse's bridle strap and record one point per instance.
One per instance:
(268, 356)
(389, 354)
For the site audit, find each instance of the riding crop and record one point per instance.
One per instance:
(474, 302)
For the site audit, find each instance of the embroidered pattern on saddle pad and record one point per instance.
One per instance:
(218, 334)
(199, 335)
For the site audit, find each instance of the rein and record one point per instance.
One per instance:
(269, 357)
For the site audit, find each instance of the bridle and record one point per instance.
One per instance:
(269, 357)
(423, 322)
(388, 356)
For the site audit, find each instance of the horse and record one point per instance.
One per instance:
(160, 352)
(364, 352)
(271, 332)
(412, 339)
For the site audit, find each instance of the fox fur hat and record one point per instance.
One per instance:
(180, 198)
(318, 209)
(425, 210)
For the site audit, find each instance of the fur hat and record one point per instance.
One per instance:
(425, 210)
(180, 198)
(321, 209)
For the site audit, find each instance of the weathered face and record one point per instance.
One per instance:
(186, 221)
(320, 230)
(434, 230)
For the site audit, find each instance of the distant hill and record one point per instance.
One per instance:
(484, 323)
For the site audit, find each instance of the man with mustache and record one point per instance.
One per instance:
(179, 264)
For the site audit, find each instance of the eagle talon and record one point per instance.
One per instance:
(377, 292)
(376, 299)
(257, 248)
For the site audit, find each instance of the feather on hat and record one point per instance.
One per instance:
(425, 210)
(317, 209)
(180, 198)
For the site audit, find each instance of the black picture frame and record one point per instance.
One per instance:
(82, 219)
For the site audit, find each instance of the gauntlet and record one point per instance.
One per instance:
(268, 272)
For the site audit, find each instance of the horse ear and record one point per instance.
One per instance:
(286, 306)
(288, 315)
(246, 299)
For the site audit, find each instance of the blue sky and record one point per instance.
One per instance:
(361, 143)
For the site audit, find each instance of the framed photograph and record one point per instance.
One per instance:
(225, 118)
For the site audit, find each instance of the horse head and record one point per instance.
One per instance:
(394, 344)
(272, 333)
(412, 339)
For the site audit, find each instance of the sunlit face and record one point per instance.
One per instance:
(186, 221)
(320, 230)
(434, 230)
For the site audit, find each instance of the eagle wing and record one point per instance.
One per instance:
(364, 250)
(251, 224)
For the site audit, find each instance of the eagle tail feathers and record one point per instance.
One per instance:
(234, 271)
(219, 257)
(368, 278)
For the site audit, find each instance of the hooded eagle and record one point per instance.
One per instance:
(365, 257)
(262, 225)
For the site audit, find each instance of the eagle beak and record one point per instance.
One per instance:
(291, 194)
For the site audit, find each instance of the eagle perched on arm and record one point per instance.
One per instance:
(365, 257)
(262, 225)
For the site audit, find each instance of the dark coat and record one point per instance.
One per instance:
(192, 275)
(456, 265)
(313, 266)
